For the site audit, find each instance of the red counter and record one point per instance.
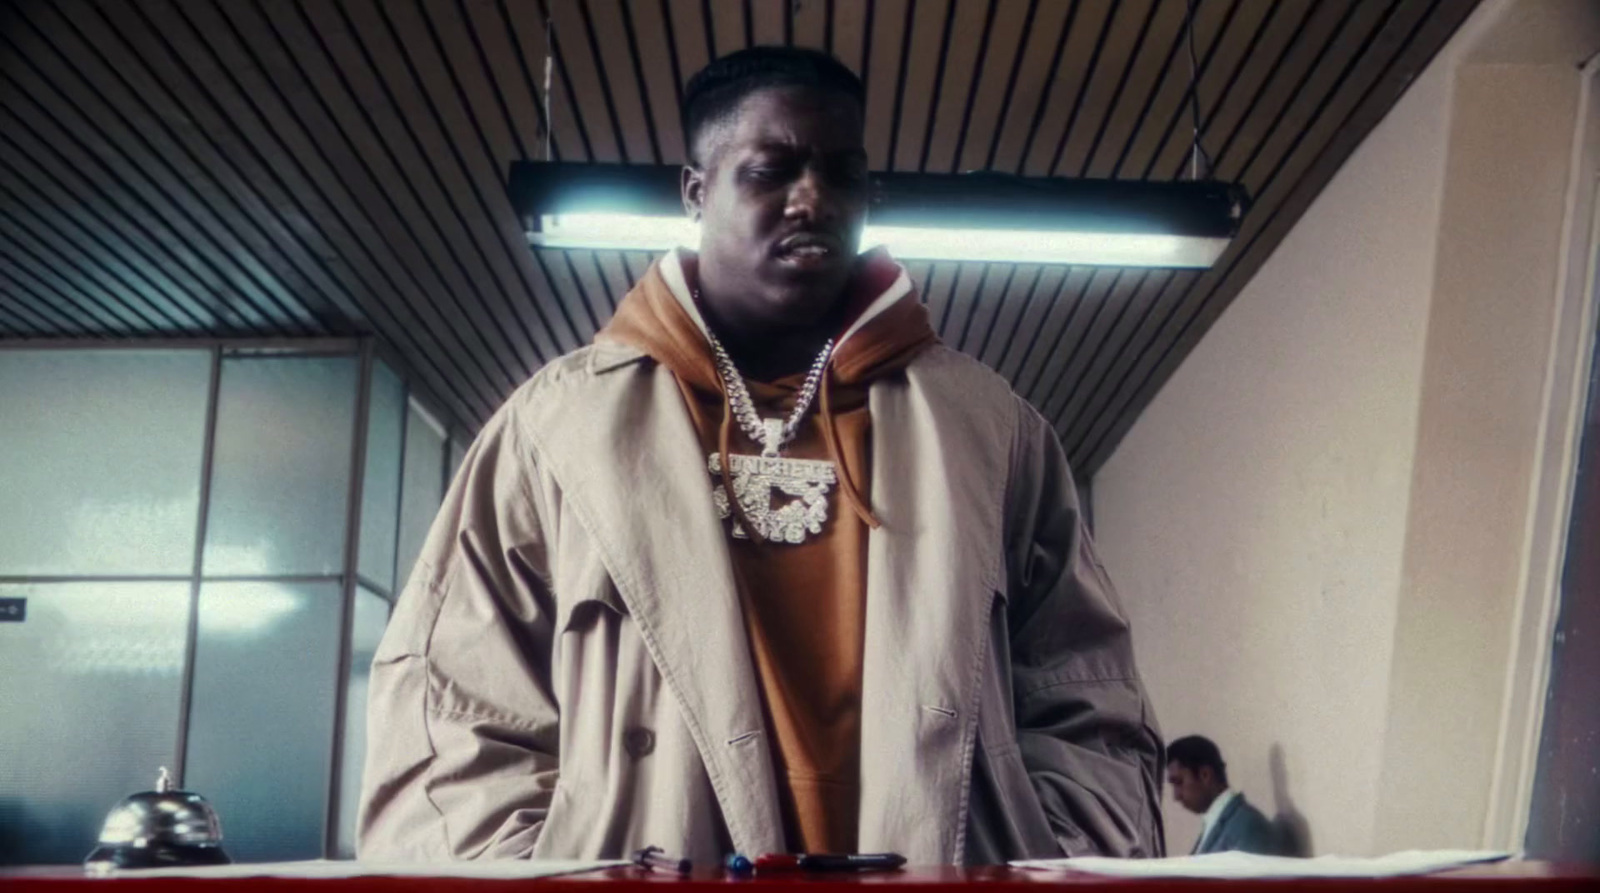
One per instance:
(1533, 877)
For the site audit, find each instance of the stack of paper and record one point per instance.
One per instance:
(1245, 865)
(501, 869)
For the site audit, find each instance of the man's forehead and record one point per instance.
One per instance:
(793, 117)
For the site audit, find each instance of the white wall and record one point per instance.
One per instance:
(1323, 524)
(1254, 517)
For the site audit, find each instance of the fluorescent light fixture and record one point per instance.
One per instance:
(611, 231)
(1026, 246)
(959, 217)
(637, 232)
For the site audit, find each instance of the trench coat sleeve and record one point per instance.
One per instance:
(462, 726)
(1084, 726)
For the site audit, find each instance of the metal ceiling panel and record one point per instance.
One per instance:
(300, 168)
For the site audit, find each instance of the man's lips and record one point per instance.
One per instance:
(809, 247)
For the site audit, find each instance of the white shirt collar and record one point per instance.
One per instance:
(1215, 811)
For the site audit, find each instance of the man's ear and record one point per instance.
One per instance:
(693, 183)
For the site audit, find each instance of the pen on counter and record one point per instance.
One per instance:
(828, 862)
(656, 859)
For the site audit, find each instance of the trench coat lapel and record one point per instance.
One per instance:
(636, 479)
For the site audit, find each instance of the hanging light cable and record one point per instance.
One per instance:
(549, 69)
(1197, 150)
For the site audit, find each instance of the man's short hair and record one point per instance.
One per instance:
(714, 93)
(1196, 752)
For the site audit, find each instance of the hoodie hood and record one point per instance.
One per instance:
(887, 327)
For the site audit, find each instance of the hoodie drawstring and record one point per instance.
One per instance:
(830, 436)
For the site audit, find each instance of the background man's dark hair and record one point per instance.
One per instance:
(1195, 753)
(716, 90)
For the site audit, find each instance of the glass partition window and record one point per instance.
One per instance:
(261, 718)
(424, 486)
(380, 482)
(281, 465)
(366, 629)
(458, 454)
(119, 655)
(103, 453)
(90, 692)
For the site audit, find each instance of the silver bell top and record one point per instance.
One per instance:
(163, 815)
(162, 827)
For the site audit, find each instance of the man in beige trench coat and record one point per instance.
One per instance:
(766, 568)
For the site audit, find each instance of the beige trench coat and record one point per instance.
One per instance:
(566, 674)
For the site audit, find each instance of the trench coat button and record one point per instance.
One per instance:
(639, 743)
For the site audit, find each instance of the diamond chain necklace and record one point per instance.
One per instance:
(781, 500)
(770, 435)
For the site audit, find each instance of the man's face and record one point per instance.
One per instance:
(782, 198)
(1194, 789)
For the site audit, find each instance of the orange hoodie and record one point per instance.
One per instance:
(804, 604)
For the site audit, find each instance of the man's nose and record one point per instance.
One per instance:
(811, 199)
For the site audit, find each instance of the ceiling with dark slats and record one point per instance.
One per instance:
(304, 168)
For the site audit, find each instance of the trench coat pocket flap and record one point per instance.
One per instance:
(582, 613)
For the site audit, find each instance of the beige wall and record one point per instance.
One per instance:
(1481, 409)
(1231, 514)
(1319, 523)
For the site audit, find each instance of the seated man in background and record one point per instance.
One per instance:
(1199, 781)
(885, 630)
